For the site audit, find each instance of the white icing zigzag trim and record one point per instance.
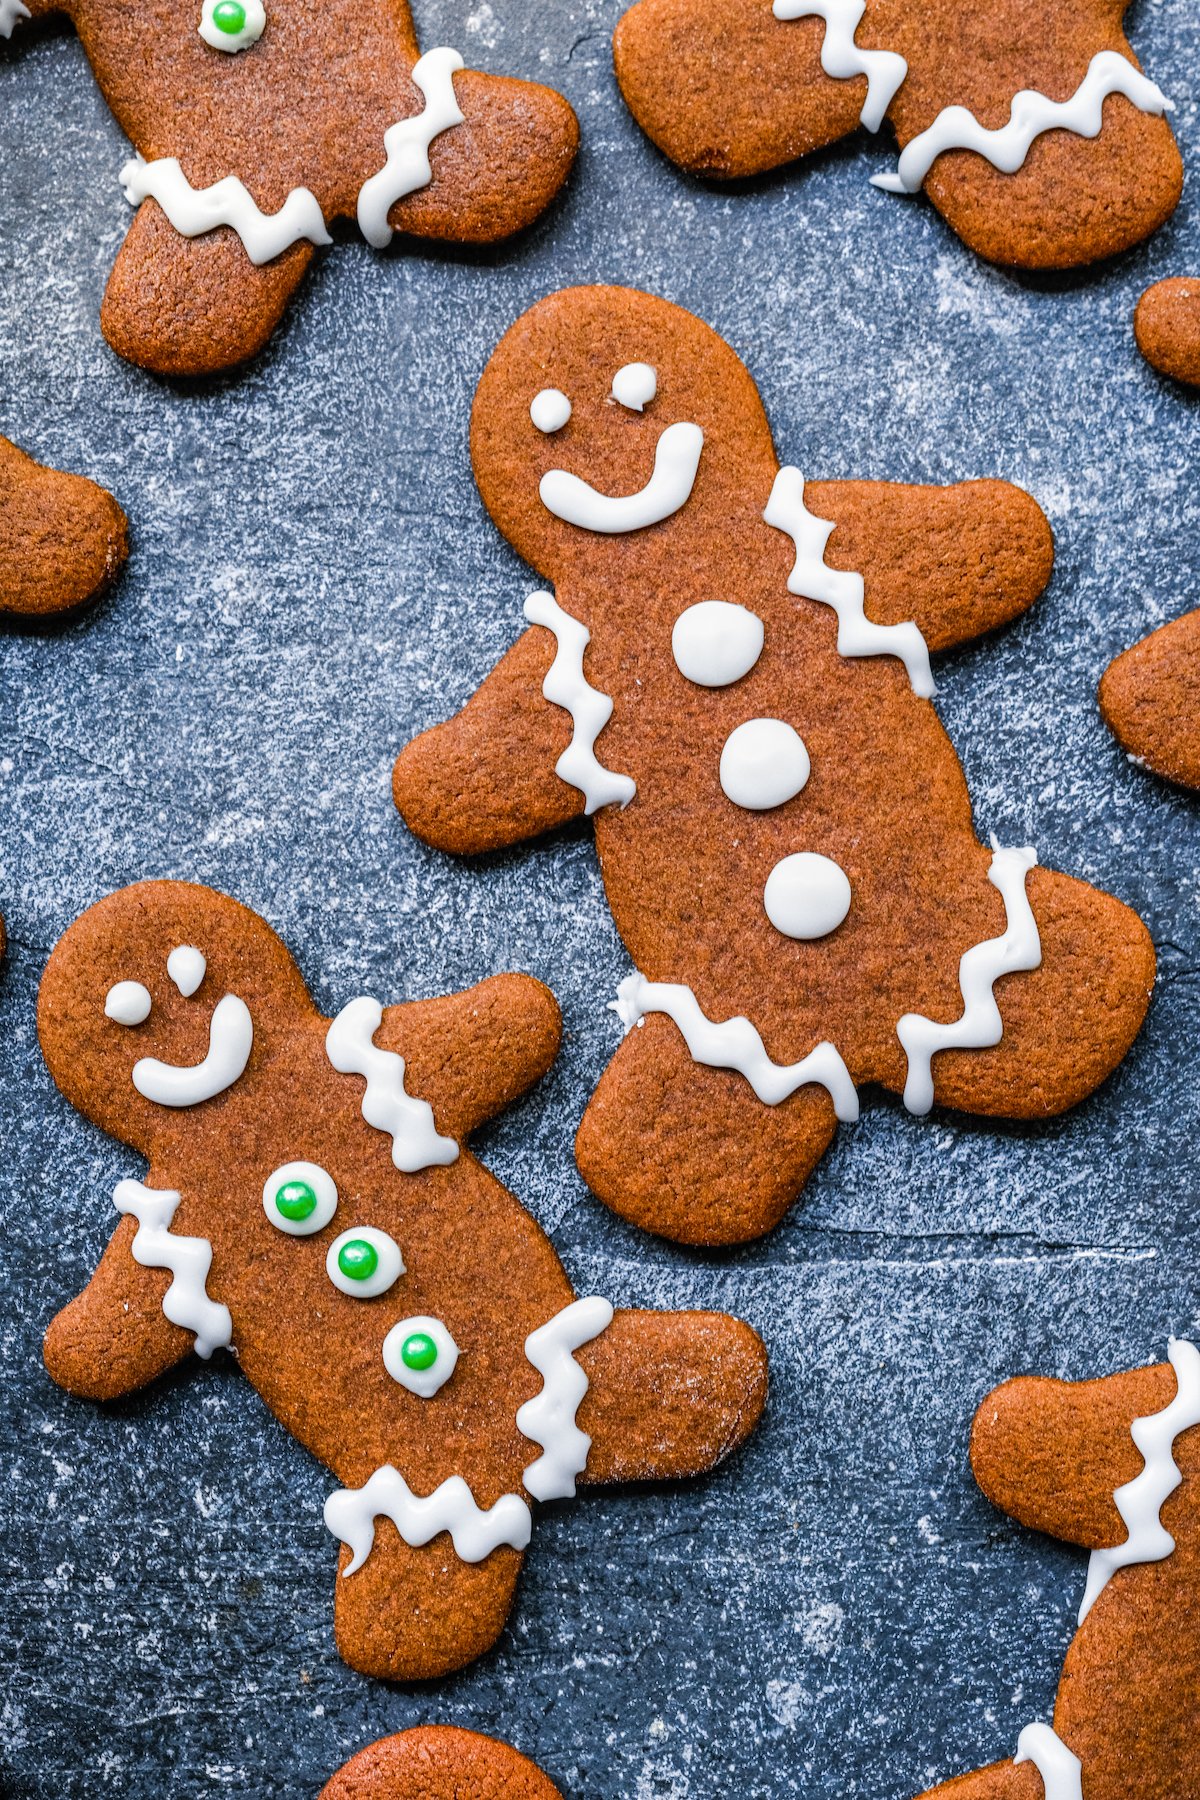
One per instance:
(842, 58)
(957, 128)
(408, 1121)
(567, 686)
(11, 12)
(980, 1025)
(350, 1514)
(193, 211)
(1140, 1501)
(735, 1044)
(407, 144)
(1060, 1769)
(840, 588)
(550, 1418)
(186, 1302)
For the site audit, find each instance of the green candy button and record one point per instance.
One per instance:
(229, 16)
(419, 1351)
(296, 1200)
(358, 1260)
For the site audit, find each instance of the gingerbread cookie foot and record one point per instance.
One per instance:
(63, 540)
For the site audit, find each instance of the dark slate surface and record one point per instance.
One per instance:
(839, 1612)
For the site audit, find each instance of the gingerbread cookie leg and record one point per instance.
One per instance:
(415, 1614)
(691, 1152)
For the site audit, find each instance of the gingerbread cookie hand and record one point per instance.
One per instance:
(1150, 700)
(63, 540)
(309, 1203)
(1166, 324)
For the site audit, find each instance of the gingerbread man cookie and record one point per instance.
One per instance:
(734, 676)
(1042, 146)
(256, 123)
(439, 1762)
(1166, 324)
(309, 1204)
(63, 540)
(1150, 699)
(1113, 1466)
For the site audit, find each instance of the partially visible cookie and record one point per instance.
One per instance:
(1166, 324)
(62, 538)
(1150, 699)
(439, 1762)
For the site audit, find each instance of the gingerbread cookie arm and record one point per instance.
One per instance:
(114, 1337)
(958, 561)
(416, 1614)
(670, 1394)
(1052, 1453)
(486, 778)
(439, 1762)
(63, 540)
(1150, 700)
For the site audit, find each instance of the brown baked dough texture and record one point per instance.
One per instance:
(671, 1393)
(685, 1150)
(1150, 699)
(724, 88)
(439, 1762)
(1166, 324)
(306, 106)
(63, 540)
(1051, 1454)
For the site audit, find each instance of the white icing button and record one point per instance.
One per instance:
(300, 1185)
(424, 1382)
(186, 967)
(807, 895)
(232, 25)
(377, 1277)
(550, 409)
(764, 763)
(715, 642)
(128, 1003)
(635, 386)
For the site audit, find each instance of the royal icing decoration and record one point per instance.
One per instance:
(841, 57)
(735, 1044)
(416, 1143)
(1140, 1501)
(11, 12)
(189, 1259)
(300, 1198)
(839, 588)
(635, 386)
(550, 410)
(567, 686)
(187, 968)
(715, 643)
(364, 1262)
(807, 896)
(407, 145)
(232, 25)
(676, 459)
(979, 1025)
(1060, 1769)
(127, 1003)
(350, 1514)
(957, 128)
(421, 1355)
(230, 1037)
(763, 763)
(550, 1418)
(193, 211)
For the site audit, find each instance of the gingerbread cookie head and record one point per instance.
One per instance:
(439, 1762)
(1166, 324)
(310, 1204)
(1041, 149)
(1150, 700)
(63, 540)
(256, 123)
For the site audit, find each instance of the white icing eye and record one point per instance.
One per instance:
(300, 1198)
(715, 643)
(364, 1262)
(806, 896)
(128, 1003)
(764, 763)
(421, 1355)
(635, 386)
(550, 410)
(232, 24)
(186, 967)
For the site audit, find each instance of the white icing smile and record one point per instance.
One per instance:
(676, 460)
(230, 1037)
